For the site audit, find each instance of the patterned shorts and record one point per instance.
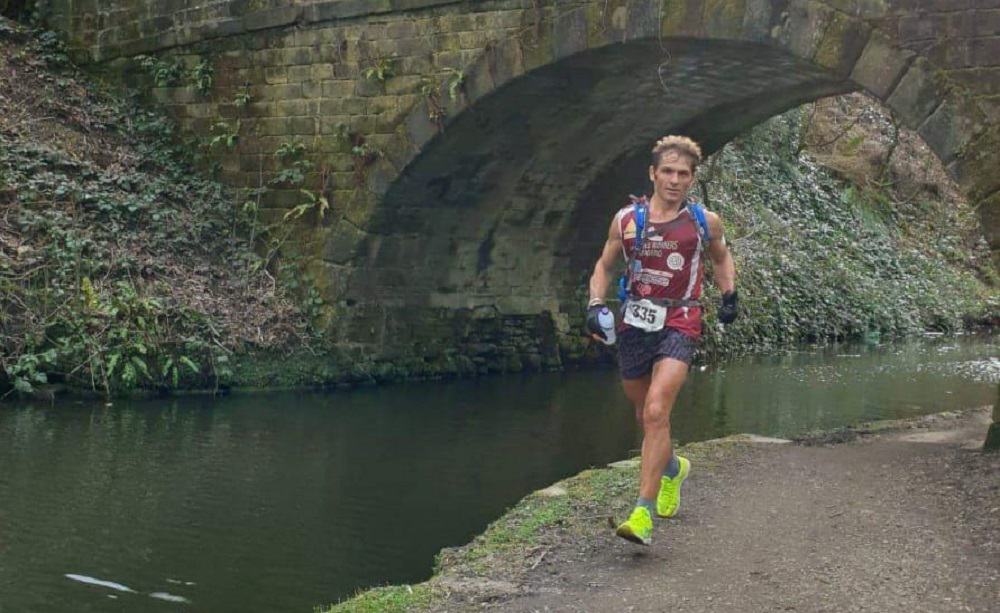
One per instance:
(639, 350)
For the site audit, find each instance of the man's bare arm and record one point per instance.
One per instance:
(723, 268)
(605, 267)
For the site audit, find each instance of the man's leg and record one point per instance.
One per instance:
(661, 390)
(668, 376)
(635, 391)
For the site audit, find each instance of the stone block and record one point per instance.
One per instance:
(975, 169)
(643, 19)
(682, 18)
(340, 88)
(296, 108)
(402, 29)
(880, 66)
(368, 88)
(298, 56)
(312, 89)
(402, 47)
(297, 74)
(472, 40)
(983, 81)
(569, 34)
(450, 59)
(993, 436)
(276, 75)
(416, 65)
(807, 20)
(989, 218)
(985, 51)
(202, 111)
(536, 48)
(867, 9)
(504, 62)
(272, 126)
(272, 18)
(478, 82)
(419, 127)
(843, 42)
(921, 27)
(321, 72)
(948, 130)
(916, 96)
(757, 20)
(403, 84)
(302, 126)
(341, 244)
(987, 23)
(331, 124)
(724, 18)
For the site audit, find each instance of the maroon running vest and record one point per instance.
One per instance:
(672, 265)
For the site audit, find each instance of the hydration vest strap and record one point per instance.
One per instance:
(640, 208)
(699, 215)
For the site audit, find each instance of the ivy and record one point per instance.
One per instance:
(122, 268)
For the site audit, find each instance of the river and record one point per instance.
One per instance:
(283, 501)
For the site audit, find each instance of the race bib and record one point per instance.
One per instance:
(645, 315)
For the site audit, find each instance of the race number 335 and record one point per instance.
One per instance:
(645, 315)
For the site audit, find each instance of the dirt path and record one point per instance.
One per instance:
(903, 519)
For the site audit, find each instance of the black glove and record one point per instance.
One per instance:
(729, 308)
(593, 325)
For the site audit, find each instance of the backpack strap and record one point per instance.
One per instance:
(699, 216)
(641, 209)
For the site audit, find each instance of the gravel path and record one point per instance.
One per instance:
(904, 520)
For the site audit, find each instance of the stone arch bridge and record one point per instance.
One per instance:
(472, 228)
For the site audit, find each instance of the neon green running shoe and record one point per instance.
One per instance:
(668, 501)
(638, 528)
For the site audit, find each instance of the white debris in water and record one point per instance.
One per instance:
(169, 597)
(99, 582)
(179, 582)
(982, 371)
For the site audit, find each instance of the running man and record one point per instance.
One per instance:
(664, 240)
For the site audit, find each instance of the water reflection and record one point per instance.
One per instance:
(308, 496)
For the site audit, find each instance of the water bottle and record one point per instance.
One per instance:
(606, 319)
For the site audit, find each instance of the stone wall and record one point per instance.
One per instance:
(502, 119)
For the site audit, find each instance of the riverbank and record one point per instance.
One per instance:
(893, 515)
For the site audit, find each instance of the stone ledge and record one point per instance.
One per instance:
(347, 9)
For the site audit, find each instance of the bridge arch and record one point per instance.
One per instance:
(555, 123)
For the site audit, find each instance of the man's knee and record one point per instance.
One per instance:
(656, 415)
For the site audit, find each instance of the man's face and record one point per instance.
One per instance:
(672, 178)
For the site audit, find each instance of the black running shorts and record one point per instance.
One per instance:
(638, 350)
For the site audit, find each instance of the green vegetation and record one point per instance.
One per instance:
(381, 70)
(164, 72)
(120, 268)
(880, 256)
(391, 599)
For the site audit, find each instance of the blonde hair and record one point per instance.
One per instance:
(682, 145)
